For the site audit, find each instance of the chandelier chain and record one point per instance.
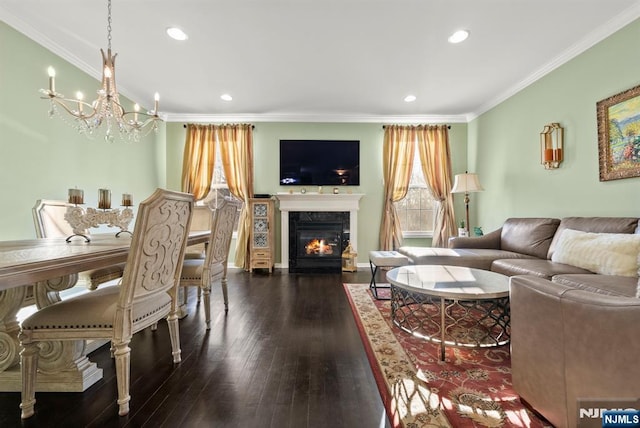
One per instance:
(109, 25)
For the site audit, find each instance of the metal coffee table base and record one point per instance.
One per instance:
(456, 322)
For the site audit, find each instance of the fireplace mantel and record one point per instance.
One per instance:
(316, 202)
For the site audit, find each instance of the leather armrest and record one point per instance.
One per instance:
(490, 241)
(569, 344)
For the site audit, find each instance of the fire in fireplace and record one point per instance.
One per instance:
(318, 246)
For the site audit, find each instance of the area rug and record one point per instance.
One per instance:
(471, 388)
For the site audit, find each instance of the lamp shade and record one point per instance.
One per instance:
(466, 183)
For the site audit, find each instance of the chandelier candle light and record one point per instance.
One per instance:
(106, 108)
(80, 221)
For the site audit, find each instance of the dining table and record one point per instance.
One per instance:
(40, 269)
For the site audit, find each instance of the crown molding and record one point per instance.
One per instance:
(59, 50)
(599, 34)
(314, 117)
(33, 34)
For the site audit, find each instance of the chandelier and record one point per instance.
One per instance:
(106, 108)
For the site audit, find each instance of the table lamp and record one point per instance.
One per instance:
(466, 183)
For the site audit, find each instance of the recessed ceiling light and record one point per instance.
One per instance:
(409, 98)
(226, 97)
(458, 36)
(177, 33)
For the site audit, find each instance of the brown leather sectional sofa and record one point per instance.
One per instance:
(575, 334)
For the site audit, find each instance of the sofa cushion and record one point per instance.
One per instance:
(603, 253)
(611, 285)
(596, 225)
(541, 268)
(479, 258)
(530, 236)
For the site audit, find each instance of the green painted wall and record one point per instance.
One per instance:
(266, 143)
(40, 158)
(504, 142)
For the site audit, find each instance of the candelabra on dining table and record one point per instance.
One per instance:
(80, 221)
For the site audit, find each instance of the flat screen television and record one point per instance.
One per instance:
(320, 162)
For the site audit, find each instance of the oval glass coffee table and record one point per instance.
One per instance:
(451, 305)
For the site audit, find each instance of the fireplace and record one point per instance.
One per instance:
(346, 203)
(316, 240)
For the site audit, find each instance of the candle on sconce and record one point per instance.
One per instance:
(104, 199)
(76, 196)
(127, 200)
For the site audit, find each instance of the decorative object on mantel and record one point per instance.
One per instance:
(80, 221)
(466, 183)
(106, 108)
(619, 135)
(551, 146)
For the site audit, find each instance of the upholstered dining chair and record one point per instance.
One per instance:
(48, 217)
(203, 273)
(148, 293)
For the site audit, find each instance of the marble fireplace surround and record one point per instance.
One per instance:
(341, 202)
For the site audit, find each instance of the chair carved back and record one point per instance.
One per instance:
(200, 220)
(48, 217)
(157, 251)
(222, 232)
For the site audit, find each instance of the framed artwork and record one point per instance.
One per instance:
(619, 135)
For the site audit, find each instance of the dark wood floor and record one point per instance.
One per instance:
(288, 354)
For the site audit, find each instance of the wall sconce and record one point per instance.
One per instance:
(551, 145)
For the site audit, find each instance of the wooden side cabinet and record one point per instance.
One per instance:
(262, 234)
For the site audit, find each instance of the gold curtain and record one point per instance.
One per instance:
(236, 151)
(198, 160)
(435, 156)
(397, 161)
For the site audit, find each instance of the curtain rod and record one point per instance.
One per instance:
(252, 126)
(384, 126)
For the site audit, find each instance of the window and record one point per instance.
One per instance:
(219, 188)
(417, 210)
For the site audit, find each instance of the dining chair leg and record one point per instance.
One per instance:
(174, 335)
(207, 306)
(29, 363)
(185, 295)
(123, 364)
(225, 293)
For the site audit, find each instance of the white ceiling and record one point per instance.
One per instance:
(320, 60)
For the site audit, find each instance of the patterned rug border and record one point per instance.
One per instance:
(398, 406)
(409, 395)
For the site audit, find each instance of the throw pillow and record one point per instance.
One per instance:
(603, 253)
